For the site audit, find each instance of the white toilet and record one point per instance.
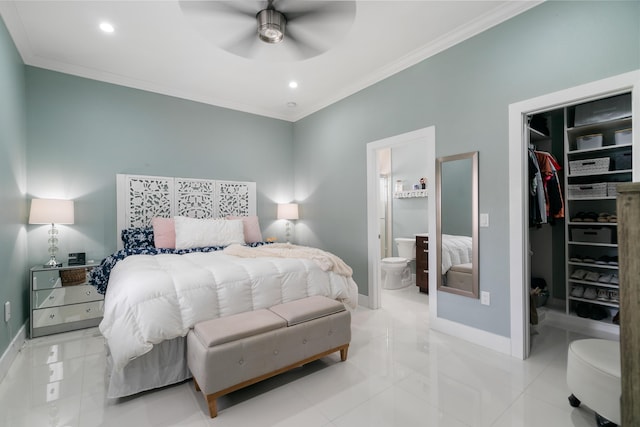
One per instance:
(396, 273)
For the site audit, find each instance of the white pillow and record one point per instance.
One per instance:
(199, 233)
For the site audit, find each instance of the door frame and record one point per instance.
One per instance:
(518, 157)
(427, 136)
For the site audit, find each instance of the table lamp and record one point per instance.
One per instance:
(288, 212)
(51, 211)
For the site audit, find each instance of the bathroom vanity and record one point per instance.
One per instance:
(422, 262)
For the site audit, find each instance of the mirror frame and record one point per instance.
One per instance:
(474, 293)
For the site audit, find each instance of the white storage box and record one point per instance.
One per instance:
(623, 136)
(589, 141)
(587, 191)
(592, 235)
(589, 166)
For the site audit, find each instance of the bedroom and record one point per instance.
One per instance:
(105, 129)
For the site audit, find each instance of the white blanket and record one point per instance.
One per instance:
(153, 298)
(455, 250)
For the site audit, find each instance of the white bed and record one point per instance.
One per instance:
(457, 257)
(152, 301)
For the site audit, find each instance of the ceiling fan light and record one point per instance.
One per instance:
(271, 25)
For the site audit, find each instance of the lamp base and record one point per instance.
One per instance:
(53, 263)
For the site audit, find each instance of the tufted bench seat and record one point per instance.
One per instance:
(593, 377)
(232, 352)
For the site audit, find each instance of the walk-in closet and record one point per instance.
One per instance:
(577, 155)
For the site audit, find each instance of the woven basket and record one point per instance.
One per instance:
(76, 276)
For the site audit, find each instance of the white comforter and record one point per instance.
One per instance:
(455, 250)
(152, 298)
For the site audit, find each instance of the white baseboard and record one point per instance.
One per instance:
(12, 351)
(476, 336)
(363, 300)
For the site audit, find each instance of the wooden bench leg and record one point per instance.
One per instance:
(196, 384)
(213, 409)
(343, 353)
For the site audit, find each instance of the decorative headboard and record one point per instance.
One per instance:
(141, 198)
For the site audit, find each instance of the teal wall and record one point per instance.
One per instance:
(465, 92)
(83, 132)
(13, 186)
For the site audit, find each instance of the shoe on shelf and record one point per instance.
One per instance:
(603, 260)
(579, 217)
(603, 295)
(613, 218)
(614, 279)
(576, 258)
(590, 217)
(604, 217)
(614, 295)
(605, 278)
(590, 293)
(578, 274)
(588, 260)
(577, 291)
(613, 260)
(598, 312)
(592, 276)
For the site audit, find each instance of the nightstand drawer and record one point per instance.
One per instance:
(46, 279)
(66, 295)
(67, 314)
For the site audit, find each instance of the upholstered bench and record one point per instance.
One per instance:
(593, 377)
(232, 352)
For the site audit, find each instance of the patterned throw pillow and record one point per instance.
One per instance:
(140, 237)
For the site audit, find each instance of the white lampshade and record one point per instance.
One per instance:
(287, 211)
(51, 211)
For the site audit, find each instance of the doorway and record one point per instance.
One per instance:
(518, 201)
(426, 137)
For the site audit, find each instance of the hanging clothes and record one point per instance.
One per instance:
(549, 168)
(537, 204)
(546, 202)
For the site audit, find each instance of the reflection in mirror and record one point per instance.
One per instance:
(457, 224)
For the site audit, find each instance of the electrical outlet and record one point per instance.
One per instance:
(484, 220)
(7, 311)
(485, 298)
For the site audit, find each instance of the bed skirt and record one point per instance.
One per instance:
(164, 365)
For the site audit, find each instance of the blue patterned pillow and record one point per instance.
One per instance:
(141, 237)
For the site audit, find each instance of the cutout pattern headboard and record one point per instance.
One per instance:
(141, 198)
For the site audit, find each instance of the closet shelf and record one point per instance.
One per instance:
(592, 224)
(602, 245)
(596, 301)
(573, 199)
(593, 265)
(597, 127)
(595, 150)
(597, 284)
(601, 173)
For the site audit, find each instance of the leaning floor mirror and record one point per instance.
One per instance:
(457, 224)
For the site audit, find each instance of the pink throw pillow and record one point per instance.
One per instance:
(164, 232)
(251, 228)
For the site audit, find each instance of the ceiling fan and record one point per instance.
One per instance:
(273, 30)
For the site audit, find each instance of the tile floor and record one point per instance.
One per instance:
(399, 373)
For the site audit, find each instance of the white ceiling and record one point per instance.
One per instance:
(156, 47)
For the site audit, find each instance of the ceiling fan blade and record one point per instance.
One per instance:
(224, 9)
(245, 44)
(315, 11)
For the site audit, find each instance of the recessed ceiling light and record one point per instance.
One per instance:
(106, 27)
(291, 104)
(293, 84)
